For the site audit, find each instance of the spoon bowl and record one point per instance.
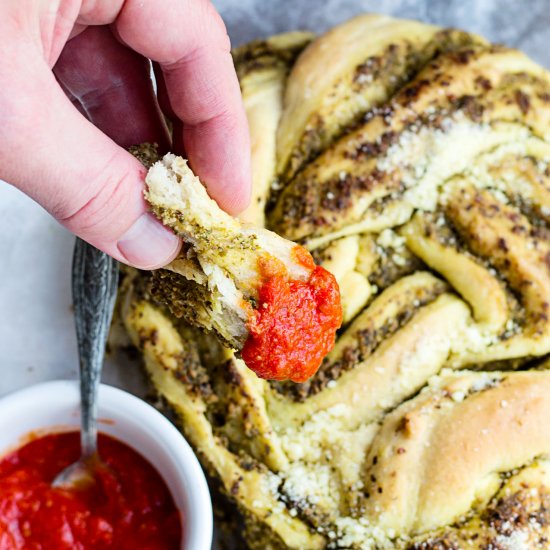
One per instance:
(82, 474)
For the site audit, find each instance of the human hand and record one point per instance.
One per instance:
(98, 51)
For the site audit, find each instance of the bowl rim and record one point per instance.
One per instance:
(198, 531)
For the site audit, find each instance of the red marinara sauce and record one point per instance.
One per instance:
(129, 508)
(295, 322)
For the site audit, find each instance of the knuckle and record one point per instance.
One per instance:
(103, 209)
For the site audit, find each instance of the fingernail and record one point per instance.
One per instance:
(148, 244)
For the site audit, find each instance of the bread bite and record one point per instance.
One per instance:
(260, 293)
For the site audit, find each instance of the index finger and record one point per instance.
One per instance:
(189, 41)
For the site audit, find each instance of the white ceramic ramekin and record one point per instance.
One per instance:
(55, 406)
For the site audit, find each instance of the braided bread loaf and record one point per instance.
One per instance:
(414, 163)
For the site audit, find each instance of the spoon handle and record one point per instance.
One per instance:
(94, 287)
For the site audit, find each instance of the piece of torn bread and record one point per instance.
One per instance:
(215, 281)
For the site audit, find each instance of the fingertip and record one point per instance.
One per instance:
(231, 191)
(219, 153)
(236, 198)
(148, 244)
(243, 187)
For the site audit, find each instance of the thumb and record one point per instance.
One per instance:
(89, 184)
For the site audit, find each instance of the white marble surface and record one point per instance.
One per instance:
(36, 325)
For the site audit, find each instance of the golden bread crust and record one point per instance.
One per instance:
(415, 163)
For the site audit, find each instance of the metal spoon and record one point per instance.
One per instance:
(94, 287)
